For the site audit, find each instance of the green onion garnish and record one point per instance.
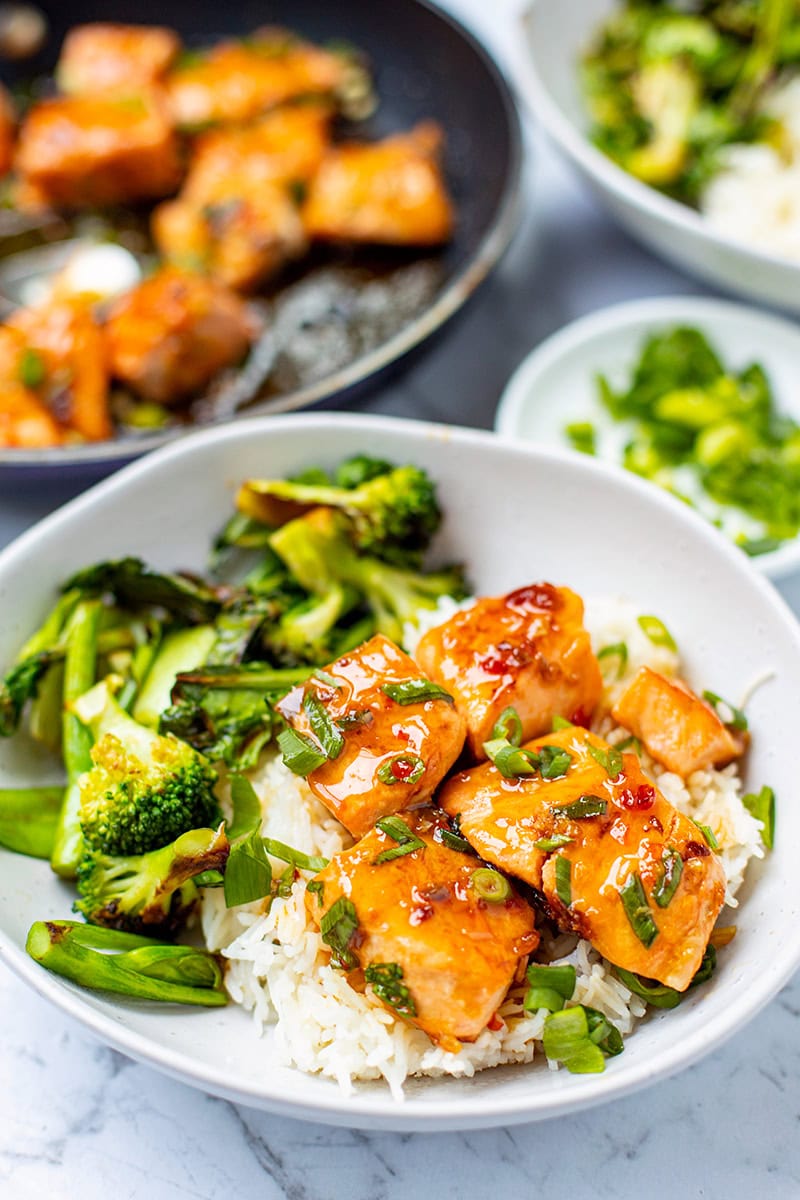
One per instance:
(580, 1037)
(398, 831)
(657, 994)
(284, 889)
(564, 880)
(491, 885)
(322, 726)
(610, 760)
(582, 436)
(32, 370)
(554, 842)
(761, 805)
(402, 768)
(337, 928)
(452, 837)
(618, 650)
(549, 987)
(637, 910)
(508, 727)
(630, 743)
(561, 723)
(554, 761)
(510, 761)
(707, 833)
(415, 691)
(248, 874)
(655, 629)
(583, 807)
(386, 982)
(328, 679)
(317, 887)
(300, 754)
(670, 878)
(728, 713)
(708, 966)
(287, 854)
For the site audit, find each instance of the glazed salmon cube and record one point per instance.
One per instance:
(528, 650)
(676, 726)
(390, 192)
(614, 860)
(8, 129)
(103, 56)
(170, 335)
(25, 420)
(97, 150)
(399, 738)
(236, 81)
(453, 953)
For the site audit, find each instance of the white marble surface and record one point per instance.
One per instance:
(80, 1121)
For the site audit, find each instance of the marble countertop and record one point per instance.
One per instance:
(80, 1120)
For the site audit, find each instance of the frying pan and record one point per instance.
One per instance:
(425, 65)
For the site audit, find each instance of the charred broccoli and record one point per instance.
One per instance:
(143, 789)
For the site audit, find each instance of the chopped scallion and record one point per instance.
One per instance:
(402, 768)
(667, 884)
(287, 854)
(727, 712)
(508, 726)
(491, 885)
(563, 870)
(610, 760)
(637, 910)
(322, 726)
(708, 834)
(553, 843)
(386, 981)
(761, 805)
(337, 929)
(619, 651)
(657, 632)
(300, 754)
(582, 808)
(416, 691)
(656, 994)
(561, 723)
(399, 832)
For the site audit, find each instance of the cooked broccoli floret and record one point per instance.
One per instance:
(317, 545)
(144, 789)
(148, 893)
(392, 516)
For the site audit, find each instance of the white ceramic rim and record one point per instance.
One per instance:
(700, 310)
(370, 1110)
(607, 173)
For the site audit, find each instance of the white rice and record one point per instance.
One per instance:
(278, 967)
(756, 195)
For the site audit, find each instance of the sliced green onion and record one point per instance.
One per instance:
(657, 994)
(561, 723)
(542, 997)
(32, 370)
(328, 679)
(610, 760)
(582, 808)
(657, 632)
(248, 875)
(637, 910)
(508, 727)
(491, 885)
(287, 854)
(728, 713)
(708, 966)
(630, 743)
(337, 929)
(398, 831)
(317, 888)
(553, 843)
(708, 834)
(671, 876)
(603, 1033)
(761, 805)
(564, 880)
(362, 716)
(559, 979)
(415, 691)
(386, 981)
(453, 841)
(322, 726)
(566, 1040)
(401, 768)
(618, 650)
(582, 436)
(300, 754)
(510, 761)
(554, 761)
(284, 889)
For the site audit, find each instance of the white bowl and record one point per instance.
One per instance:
(546, 55)
(555, 384)
(513, 514)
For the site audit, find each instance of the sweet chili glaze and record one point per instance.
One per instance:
(676, 726)
(505, 818)
(458, 953)
(376, 731)
(528, 649)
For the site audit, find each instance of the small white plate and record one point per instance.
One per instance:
(512, 514)
(552, 37)
(556, 385)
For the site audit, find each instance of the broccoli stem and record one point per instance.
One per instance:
(28, 819)
(145, 968)
(80, 664)
(49, 632)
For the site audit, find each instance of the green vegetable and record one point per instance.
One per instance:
(181, 650)
(32, 369)
(583, 807)
(582, 435)
(549, 987)
(113, 961)
(618, 650)
(386, 980)
(656, 994)
(561, 723)
(322, 726)
(668, 882)
(300, 754)
(28, 819)
(508, 727)
(657, 632)
(452, 837)
(317, 888)
(337, 929)
(727, 713)
(553, 843)
(416, 691)
(563, 871)
(490, 885)
(135, 585)
(297, 858)
(551, 762)
(637, 910)
(402, 768)
(610, 760)
(581, 1038)
(398, 831)
(761, 805)
(708, 834)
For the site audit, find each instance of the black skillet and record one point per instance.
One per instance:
(425, 65)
